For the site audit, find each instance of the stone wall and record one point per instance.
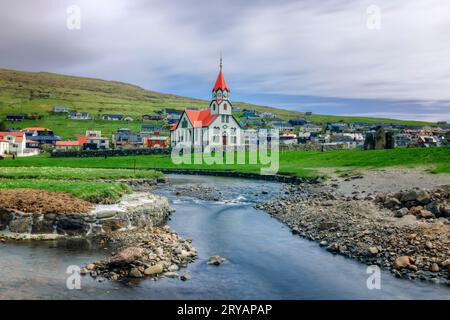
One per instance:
(136, 210)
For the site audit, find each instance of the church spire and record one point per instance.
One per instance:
(221, 84)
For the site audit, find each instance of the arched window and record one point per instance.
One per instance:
(225, 106)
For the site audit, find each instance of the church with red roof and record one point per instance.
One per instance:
(215, 126)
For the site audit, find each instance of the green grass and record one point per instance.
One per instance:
(82, 174)
(95, 192)
(80, 182)
(298, 163)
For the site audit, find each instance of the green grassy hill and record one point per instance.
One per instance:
(37, 92)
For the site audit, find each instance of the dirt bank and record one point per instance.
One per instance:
(42, 202)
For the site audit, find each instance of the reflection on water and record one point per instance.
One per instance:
(264, 259)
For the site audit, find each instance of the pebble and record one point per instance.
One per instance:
(185, 277)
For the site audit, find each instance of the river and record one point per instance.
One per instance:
(264, 259)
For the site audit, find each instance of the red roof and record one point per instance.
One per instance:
(221, 83)
(82, 139)
(19, 135)
(200, 118)
(36, 129)
(13, 133)
(67, 143)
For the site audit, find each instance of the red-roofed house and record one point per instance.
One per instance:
(16, 142)
(67, 145)
(214, 126)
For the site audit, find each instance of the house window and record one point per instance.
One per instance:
(234, 139)
(233, 130)
(225, 106)
(228, 119)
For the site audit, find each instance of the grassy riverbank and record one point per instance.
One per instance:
(79, 182)
(84, 174)
(298, 163)
(95, 192)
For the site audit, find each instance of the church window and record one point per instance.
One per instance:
(225, 106)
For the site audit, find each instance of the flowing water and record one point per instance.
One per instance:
(264, 259)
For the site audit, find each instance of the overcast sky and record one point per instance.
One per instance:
(317, 56)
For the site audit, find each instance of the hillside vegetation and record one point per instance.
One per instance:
(37, 93)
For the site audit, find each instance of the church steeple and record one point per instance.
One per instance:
(220, 103)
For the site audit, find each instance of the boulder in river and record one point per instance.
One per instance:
(402, 262)
(126, 256)
(216, 260)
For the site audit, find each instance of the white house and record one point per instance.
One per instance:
(79, 116)
(214, 126)
(4, 147)
(60, 109)
(16, 142)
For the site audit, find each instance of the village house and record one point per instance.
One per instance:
(79, 116)
(267, 115)
(427, 141)
(155, 117)
(337, 127)
(215, 126)
(156, 142)
(15, 117)
(4, 147)
(116, 117)
(67, 146)
(403, 140)
(41, 136)
(247, 123)
(124, 138)
(249, 113)
(16, 144)
(288, 137)
(281, 125)
(173, 118)
(297, 122)
(153, 129)
(113, 117)
(93, 140)
(60, 109)
(170, 111)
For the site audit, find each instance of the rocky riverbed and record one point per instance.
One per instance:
(405, 230)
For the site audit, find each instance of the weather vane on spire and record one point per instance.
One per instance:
(220, 60)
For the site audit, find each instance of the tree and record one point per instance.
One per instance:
(2, 126)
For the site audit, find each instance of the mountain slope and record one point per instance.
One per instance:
(37, 92)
